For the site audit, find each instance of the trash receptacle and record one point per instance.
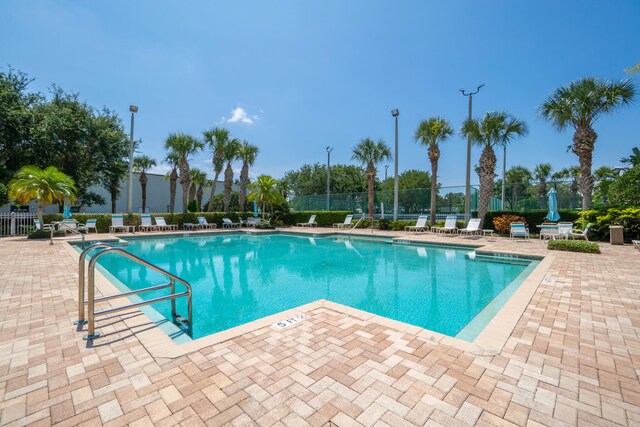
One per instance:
(616, 234)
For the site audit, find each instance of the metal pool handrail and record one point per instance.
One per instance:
(81, 301)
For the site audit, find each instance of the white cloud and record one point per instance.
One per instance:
(240, 115)
(160, 169)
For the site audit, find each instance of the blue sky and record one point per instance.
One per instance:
(310, 74)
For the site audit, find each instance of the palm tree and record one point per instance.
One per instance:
(371, 153)
(44, 185)
(494, 128)
(633, 159)
(573, 173)
(182, 146)
(264, 190)
(431, 133)
(173, 180)
(230, 153)
(517, 177)
(604, 176)
(247, 154)
(142, 164)
(217, 139)
(579, 105)
(199, 180)
(541, 173)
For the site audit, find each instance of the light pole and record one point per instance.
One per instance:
(133, 109)
(395, 113)
(384, 189)
(504, 171)
(467, 192)
(329, 150)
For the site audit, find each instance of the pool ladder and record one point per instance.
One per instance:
(91, 300)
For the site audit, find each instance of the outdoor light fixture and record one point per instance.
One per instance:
(329, 150)
(395, 113)
(133, 109)
(467, 193)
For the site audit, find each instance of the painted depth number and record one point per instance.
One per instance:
(290, 321)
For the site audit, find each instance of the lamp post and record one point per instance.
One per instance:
(384, 189)
(467, 192)
(329, 150)
(133, 109)
(395, 113)
(504, 172)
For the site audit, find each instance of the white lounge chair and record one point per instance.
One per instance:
(581, 233)
(564, 229)
(473, 227)
(39, 226)
(421, 224)
(519, 229)
(161, 224)
(68, 225)
(202, 222)
(636, 244)
(253, 222)
(227, 223)
(549, 231)
(90, 225)
(449, 225)
(310, 223)
(117, 223)
(345, 224)
(146, 224)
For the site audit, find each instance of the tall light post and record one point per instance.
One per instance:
(467, 192)
(504, 177)
(395, 113)
(329, 150)
(133, 109)
(384, 189)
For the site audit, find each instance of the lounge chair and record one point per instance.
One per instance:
(473, 227)
(117, 223)
(39, 226)
(253, 222)
(449, 225)
(146, 224)
(227, 223)
(564, 229)
(90, 225)
(161, 224)
(580, 233)
(311, 223)
(345, 224)
(636, 244)
(549, 231)
(519, 229)
(202, 222)
(421, 224)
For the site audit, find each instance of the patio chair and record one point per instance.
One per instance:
(117, 223)
(473, 227)
(202, 222)
(580, 233)
(311, 223)
(549, 231)
(39, 226)
(519, 229)
(449, 225)
(345, 224)
(227, 223)
(146, 224)
(253, 222)
(90, 225)
(68, 225)
(421, 224)
(636, 244)
(564, 229)
(161, 224)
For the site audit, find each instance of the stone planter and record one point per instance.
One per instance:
(616, 233)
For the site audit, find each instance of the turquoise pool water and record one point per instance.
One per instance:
(237, 278)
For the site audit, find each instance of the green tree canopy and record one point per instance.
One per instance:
(312, 179)
(623, 191)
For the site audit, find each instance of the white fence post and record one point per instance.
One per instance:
(13, 224)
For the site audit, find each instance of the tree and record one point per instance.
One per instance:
(173, 179)
(572, 173)
(494, 128)
(518, 178)
(264, 190)
(633, 159)
(312, 179)
(247, 154)
(230, 154)
(579, 105)
(142, 164)
(624, 190)
(217, 139)
(604, 176)
(541, 173)
(46, 186)
(198, 180)
(371, 153)
(181, 146)
(432, 133)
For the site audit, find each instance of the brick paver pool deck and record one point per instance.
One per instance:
(573, 358)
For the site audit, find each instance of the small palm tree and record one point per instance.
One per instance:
(431, 133)
(247, 154)
(371, 153)
(173, 179)
(182, 146)
(44, 185)
(230, 154)
(264, 190)
(633, 159)
(579, 105)
(198, 180)
(142, 164)
(541, 173)
(494, 128)
(217, 139)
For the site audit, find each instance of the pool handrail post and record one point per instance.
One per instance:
(81, 320)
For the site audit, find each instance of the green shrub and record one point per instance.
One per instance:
(323, 218)
(192, 206)
(574, 246)
(532, 218)
(400, 224)
(44, 234)
(601, 219)
(625, 190)
(383, 224)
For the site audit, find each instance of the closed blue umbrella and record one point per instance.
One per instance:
(66, 213)
(553, 214)
(255, 209)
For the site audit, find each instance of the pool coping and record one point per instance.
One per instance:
(491, 340)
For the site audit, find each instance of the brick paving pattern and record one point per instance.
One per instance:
(573, 358)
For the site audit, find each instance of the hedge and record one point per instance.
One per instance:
(574, 246)
(601, 219)
(323, 218)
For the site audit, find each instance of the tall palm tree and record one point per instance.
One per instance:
(371, 153)
(198, 180)
(264, 190)
(142, 164)
(217, 139)
(247, 154)
(172, 176)
(182, 146)
(431, 133)
(230, 154)
(494, 128)
(541, 173)
(579, 105)
(44, 185)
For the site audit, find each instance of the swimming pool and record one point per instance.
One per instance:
(240, 277)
